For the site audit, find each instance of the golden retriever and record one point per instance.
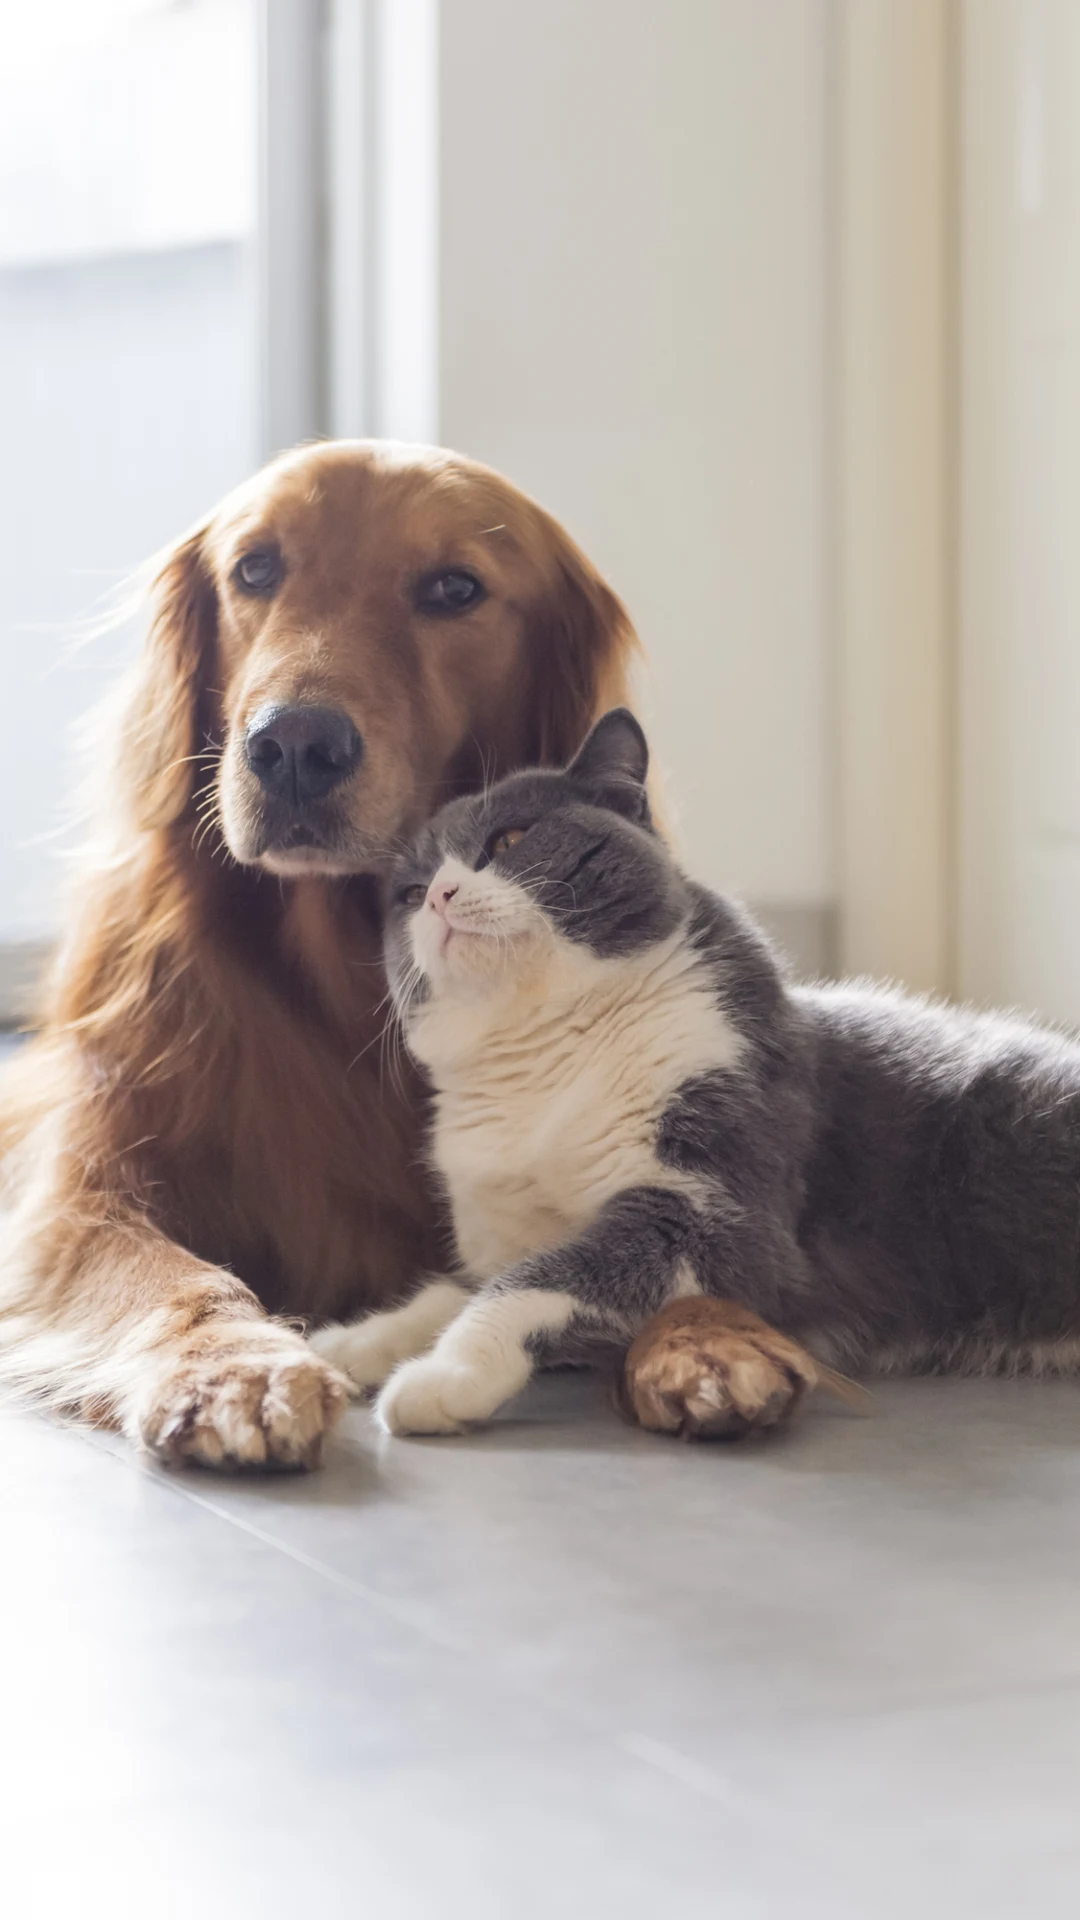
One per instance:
(208, 1130)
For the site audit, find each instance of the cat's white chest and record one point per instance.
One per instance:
(553, 1116)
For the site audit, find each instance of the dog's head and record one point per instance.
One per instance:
(355, 635)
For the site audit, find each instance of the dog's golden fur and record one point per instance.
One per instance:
(207, 1130)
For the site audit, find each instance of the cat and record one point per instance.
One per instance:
(632, 1103)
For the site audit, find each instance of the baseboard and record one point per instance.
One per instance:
(22, 967)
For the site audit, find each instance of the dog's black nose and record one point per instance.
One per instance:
(299, 753)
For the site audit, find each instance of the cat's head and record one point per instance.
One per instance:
(544, 863)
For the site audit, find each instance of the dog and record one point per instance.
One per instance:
(209, 1135)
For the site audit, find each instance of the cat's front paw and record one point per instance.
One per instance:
(431, 1396)
(712, 1370)
(367, 1352)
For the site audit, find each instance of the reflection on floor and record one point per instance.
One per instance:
(556, 1668)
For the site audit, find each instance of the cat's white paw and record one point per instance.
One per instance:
(368, 1351)
(431, 1396)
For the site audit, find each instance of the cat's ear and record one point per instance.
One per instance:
(615, 762)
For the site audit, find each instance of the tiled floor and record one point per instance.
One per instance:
(555, 1669)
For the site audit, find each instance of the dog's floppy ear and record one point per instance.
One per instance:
(584, 649)
(163, 724)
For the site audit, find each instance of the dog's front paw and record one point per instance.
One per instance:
(431, 1396)
(260, 1399)
(711, 1370)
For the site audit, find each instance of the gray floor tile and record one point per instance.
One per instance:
(832, 1572)
(555, 1668)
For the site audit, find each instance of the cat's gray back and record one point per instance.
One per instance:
(927, 1158)
(943, 1189)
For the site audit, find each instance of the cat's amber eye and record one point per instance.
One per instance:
(413, 896)
(502, 842)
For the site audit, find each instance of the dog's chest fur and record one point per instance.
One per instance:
(549, 1105)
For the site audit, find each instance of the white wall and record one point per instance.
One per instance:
(634, 253)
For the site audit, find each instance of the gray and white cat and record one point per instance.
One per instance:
(632, 1103)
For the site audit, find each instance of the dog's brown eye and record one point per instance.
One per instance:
(502, 842)
(413, 896)
(451, 592)
(259, 571)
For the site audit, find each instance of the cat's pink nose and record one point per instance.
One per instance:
(440, 894)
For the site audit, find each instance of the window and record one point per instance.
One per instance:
(128, 354)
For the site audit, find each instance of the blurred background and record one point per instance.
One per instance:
(776, 303)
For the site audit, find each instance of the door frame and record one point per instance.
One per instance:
(893, 379)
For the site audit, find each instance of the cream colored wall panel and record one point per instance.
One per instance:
(1019, 665)
(634, 242)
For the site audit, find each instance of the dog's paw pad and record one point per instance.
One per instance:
(708, 1370)
(248, 1404)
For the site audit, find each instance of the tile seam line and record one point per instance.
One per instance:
(922, 1703)
(658, 1756)
(708, 1782)
(402, 1616)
